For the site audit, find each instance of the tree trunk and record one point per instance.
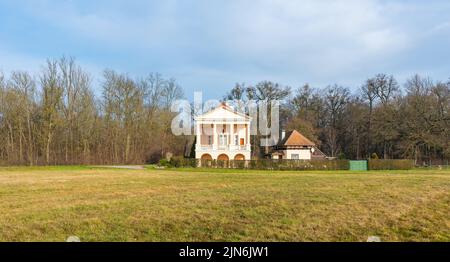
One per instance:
(127, 148)
(47, 148)
(20, 144)
(357, 149)
(30, 141)
(11, 145)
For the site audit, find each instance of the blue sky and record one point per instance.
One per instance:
(210, 45)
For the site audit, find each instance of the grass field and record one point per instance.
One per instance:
(99, 204)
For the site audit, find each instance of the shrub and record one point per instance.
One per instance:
(285, 164)
(391, 164)
(179, 161)
(268, 164)
(164, 162)
(238, 164)
(221, 163)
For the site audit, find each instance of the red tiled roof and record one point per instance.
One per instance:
(294, 138)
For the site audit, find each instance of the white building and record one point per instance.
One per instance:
(223, 134)
(296, 146)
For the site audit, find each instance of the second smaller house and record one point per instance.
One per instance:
(294, 145)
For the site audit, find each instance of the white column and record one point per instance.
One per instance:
(215, 142)
(199, 135)
(232, 135)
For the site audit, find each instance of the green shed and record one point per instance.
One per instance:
(358, 165)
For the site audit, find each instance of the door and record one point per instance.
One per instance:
(223, 140)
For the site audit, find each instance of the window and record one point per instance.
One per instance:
(236, 140)
(223, 140)
(295, 156)
(210, 140)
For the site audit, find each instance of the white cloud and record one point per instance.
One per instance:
(114, 27)
(320, 35)
(317, 41)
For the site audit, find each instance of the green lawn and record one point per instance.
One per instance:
(98, 204)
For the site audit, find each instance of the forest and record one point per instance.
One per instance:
(56, 117)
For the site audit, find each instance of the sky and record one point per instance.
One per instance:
(211, 45)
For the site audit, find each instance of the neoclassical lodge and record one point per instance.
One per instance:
(223, 134)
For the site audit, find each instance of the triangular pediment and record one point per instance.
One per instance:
(223, 112)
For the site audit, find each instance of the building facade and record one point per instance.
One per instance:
(293, 145)
(223, 134)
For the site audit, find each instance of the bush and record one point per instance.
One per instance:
(285, 164)
(238, 164)
(178, 161)
(222, 163)
(269, 164)
(391, 164)
(164, 162)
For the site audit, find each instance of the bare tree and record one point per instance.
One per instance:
(25, 86)
(385, 87)
(335, 99)
(369, 93)
(52, 94)
(74, 83)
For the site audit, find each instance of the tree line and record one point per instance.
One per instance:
(55, 117)
(380, 119)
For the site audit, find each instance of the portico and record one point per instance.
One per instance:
(223, 134)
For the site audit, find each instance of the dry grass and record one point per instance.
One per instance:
(49, 204)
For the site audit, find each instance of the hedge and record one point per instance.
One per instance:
(263, 164)
(391, 164)
(269, 164)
